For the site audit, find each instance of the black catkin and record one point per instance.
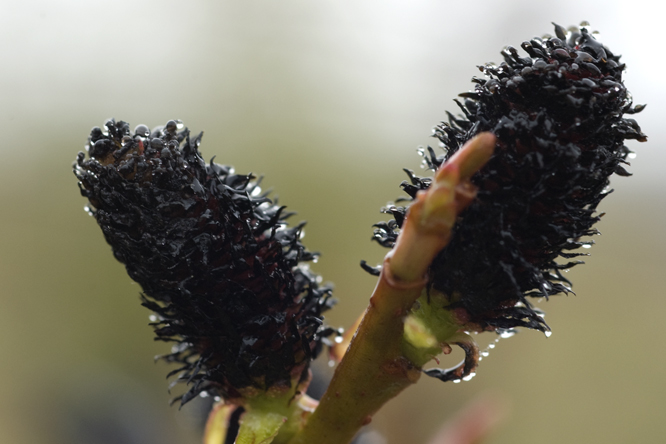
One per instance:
(224, 275)
(558, 115)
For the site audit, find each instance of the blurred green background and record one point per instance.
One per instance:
(329, 101)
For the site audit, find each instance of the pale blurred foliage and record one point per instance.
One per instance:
(329, 101)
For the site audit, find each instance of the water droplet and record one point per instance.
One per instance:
(152, 318)
(249, 340)
(217, 399)
(507, 333)
(331, 363)
(485, 353)
(631, 155)
(548, 333)
(204, 394)
(469, 377)
(587, 246)
(491, 346)
(315, 259)
(255, 192)
(88, 210)
(457, 381)
(338, 339)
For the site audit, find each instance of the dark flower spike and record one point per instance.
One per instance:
(559, 118)
(226, 278)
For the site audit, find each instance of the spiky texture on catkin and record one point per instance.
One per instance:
(215, 260)
(558, 118)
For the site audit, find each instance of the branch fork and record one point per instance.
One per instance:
(380, 362)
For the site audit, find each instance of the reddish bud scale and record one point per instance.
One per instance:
(215, 260)
(558, 118)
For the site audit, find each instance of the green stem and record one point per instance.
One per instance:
(376, 366)
(373, 370)
(218, 423)
(259, 426)
(265, 415)
(272, 418)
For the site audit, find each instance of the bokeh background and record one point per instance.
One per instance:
(329, 101)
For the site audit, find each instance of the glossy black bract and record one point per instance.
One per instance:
(558, 114)
(218, 265)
